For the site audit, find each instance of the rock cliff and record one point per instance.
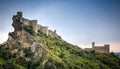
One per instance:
(24, 37)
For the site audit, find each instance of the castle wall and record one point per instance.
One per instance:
(19, 21)
(39, 27)
(26, 21)
(99, 49)
(50, 32)
(53, 33)
(33, 23)
(107, 47)
(45, 30)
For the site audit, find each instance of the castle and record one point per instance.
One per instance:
(18, 22)
(99, 49)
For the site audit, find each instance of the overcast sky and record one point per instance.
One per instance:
(79, 22)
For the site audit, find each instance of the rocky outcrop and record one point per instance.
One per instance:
(16, 42)
(20, 39)
(38, 49)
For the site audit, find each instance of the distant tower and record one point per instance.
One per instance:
(93, 45)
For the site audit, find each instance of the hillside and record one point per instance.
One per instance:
(28, 49)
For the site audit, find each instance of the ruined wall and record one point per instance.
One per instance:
(53, 33)
(39, 27)
(18, 22)
(34, 25)
(45, 30)
(26, 21)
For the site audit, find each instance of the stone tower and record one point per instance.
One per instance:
(93, 45)
(19, 15)
(17, 21)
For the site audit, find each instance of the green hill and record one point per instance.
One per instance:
(31, 47)
(59, 55)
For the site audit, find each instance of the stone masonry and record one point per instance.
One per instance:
(18, 21)
(99, 49)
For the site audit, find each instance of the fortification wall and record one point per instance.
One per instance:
(26, 21)
(39, 27)
(33, 23)
(53, 33)
(18, 22)
(99, 49)
(50, 32)
(107, 47)
(45, 30)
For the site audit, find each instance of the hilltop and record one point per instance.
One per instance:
(33, 46)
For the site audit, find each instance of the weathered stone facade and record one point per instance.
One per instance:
(99, 49)
(18, 21)
(45, 30)
(53, 34)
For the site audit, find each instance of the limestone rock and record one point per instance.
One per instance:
(38, 49)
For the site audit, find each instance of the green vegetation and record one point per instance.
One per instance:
(28, 52)
(62, 55)
(29, 29)
(59, 55)
(7, 61)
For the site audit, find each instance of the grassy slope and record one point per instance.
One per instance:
(59, 55)
(62, 55)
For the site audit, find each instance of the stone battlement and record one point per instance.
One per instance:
(18, 20)
(99, 49)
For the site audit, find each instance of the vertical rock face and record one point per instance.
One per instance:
(20, 39)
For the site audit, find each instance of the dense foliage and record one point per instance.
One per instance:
(7, 60)
(29, 29)
(59, 55)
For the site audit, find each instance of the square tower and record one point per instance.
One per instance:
(19, 14)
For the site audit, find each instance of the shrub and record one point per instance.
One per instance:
(29, 29)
